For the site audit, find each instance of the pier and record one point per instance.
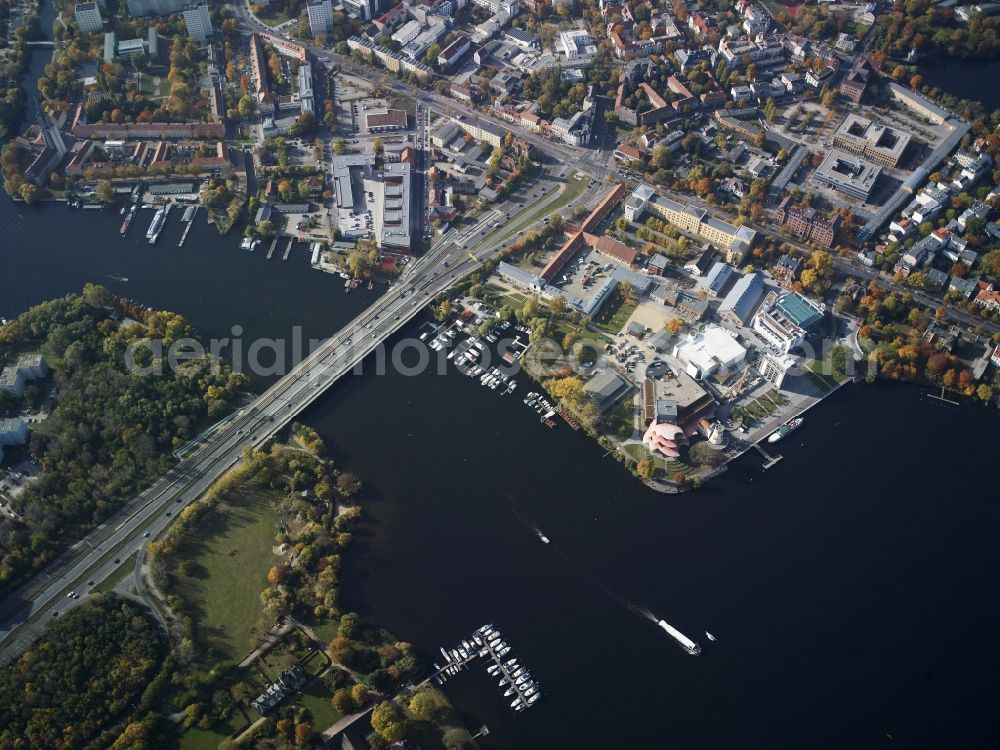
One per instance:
(189, 217)
(288, 250)
(489, 644)
(274, 244)
(769, 461)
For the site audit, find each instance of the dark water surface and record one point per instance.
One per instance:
(966, 79)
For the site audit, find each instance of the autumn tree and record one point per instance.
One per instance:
(343, 701)
(105, 192)
(568, 389)
(303, 733)
(276, 575)
(389, 722)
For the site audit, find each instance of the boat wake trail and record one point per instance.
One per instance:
(522, 517)
(644, 612)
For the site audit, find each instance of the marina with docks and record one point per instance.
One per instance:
(488, 643)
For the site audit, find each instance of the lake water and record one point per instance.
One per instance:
(966, 79)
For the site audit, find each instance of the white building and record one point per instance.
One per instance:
(709, 351)
(407, 32)
(510, 7)
(28, 367)
(199, 25)
(577, 44)
(786, 324)
(307, 101)
(363, 9)
(775, 367)
(88, 17)
(320, 16)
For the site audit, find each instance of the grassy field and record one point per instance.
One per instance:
(826, 374)
(273, 19)
(316, 697)
(232, 552)
(118, 576)
(637, 451)
(150, 90)
(613, 315)
(621, 423)
(764, 405)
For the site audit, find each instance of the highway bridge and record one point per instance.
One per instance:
(100, 553)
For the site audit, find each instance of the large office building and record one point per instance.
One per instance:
(199, 25)
(734, 241)
(392, 215)
(89, 18)
(320, 16)
(874, 141)
(849, 175)
(785, 324)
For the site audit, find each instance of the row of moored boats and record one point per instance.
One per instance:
(543, 407)
(515, 680)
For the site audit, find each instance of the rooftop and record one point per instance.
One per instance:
(848, 173)
(875, 136)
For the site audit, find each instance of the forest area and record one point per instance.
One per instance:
(110, 430)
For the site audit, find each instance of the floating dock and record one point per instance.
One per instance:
(274, 244)
(690, 646)
(487, 642)
(288, 250)
(769, 460)
(189, 214)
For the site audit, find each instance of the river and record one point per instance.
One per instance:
(852, 588)
(965, 79)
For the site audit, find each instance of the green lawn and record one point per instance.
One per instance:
(316, 697)
(636, 451)
(763, 405)
(123, 572)
(232, 549)
(275, 19)
(621, 423)
(679, 465)
(611, 318)
(197, 739)
(823, 382)
(827, 373)
(150, 90)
